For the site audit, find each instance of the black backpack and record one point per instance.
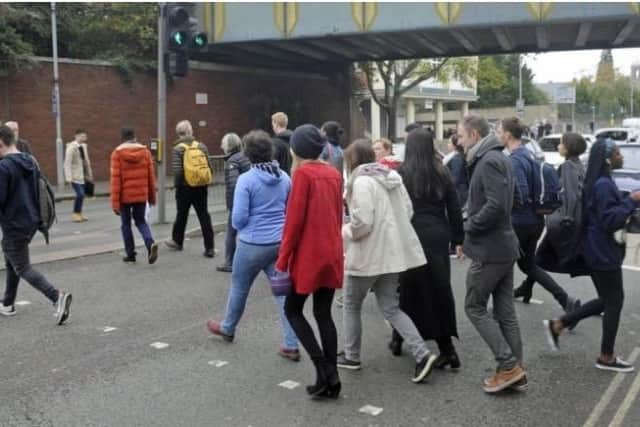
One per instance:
(46, 204)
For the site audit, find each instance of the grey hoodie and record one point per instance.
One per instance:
(489, 236)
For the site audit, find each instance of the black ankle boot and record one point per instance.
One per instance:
(333, 381)
(395, 345)
(447, 359)
(523, 291)
(321, 385)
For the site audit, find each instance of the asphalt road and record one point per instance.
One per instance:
(82, 374)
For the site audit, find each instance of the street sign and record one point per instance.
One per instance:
(428, 104)
(564, 94)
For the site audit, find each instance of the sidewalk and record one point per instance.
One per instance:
(101, 190)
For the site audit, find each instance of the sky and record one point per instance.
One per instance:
(564, 66)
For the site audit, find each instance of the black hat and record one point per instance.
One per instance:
(307, 142)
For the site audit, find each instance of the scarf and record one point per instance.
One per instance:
(271, 168)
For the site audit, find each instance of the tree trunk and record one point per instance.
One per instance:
(392, 114)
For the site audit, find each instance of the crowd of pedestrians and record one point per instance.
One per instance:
(317, 214)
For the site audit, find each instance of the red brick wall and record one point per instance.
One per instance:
(96, 98)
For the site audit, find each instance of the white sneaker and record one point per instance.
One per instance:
(62, 307)
(9, 310)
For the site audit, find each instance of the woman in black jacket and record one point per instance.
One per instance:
(457, 165)
(236, 163)
(425, 292)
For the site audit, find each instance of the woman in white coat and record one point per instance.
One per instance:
(380, 243)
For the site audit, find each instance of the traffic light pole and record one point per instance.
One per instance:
(162, 120)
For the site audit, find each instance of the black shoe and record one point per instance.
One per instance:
(345, 363)
(321, 385)
(523, 291)
(424, 368)
(616, 365)
(173, 245)
(153, 253)
(62, 307)
(447, 359)
(396, 347)
(552, 336)
(209, 253)
(129, 259)
(224, 268)
(333, 382)
(521, 386)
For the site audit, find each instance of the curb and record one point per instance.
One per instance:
(116, 247)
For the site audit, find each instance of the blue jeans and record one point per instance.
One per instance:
(135, 211)
(230, 243)
(248, 261)
(77, 203)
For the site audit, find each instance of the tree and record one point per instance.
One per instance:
(606, 73)
(399, 77)
(498, 84)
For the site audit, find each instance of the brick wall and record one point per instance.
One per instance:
(96, 98)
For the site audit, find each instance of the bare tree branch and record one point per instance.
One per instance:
(432, 73)
(410, 68)
(368, 72)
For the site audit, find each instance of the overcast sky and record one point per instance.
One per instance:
(564, 66)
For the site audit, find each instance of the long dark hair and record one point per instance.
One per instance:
(597, 168)
(359, 153)
(423, 173)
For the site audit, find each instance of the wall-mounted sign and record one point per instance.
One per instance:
(202, 98)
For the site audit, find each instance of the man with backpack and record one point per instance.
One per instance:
(537, 192)
(20, 218)
(192, 175)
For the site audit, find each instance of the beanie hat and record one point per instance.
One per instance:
(307, 142)
(334, 132)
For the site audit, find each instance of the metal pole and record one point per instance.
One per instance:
(162, 120)
(520, 77)
(56, 101)
(573, 118)
(631, 103)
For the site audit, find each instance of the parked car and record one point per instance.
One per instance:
(628, 178)
(533, 146)
(619, 135)
(549, 145)
(589, 138)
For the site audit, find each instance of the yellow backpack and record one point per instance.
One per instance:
(197, 172)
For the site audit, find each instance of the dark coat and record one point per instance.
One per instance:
(489, 234)
(19, 201)
(458, 168)
(282, 150)
(425, 292)
(235, 165)
(524, 164)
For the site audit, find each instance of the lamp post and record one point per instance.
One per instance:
(56, 100)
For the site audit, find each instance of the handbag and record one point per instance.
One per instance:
(280, 283)
(89, 189)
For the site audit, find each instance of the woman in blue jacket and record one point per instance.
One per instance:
(605, 212)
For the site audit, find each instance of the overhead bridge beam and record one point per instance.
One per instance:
(503, 39)
(583, 34)
(625, 32)
(464, 40)
(541, 38)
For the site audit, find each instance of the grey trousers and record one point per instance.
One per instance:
(385, 288)
(501, 332)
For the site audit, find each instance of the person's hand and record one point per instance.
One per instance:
(459, 252)
(635, 196)
(117, 212)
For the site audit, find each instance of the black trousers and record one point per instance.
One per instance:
(197, 197)
(322, 300)
(528, 236)
(610, 300)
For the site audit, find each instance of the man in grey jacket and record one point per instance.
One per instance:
(492, 246)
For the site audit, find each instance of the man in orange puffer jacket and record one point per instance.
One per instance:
(133, 185)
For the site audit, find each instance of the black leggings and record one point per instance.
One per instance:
(322, 300)
(610, 299)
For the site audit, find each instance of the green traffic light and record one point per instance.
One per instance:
(199, 41)
(178, 38)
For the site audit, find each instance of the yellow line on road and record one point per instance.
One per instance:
(592, 421)
(626, 403)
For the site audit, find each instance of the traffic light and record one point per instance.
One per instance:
(182, 38)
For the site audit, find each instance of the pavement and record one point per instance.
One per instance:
(136, 353)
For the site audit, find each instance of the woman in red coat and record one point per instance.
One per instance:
(311, 251)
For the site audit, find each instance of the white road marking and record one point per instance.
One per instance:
(109, 329)
(218, 363)
(77, 232)
(592, 421)
(289, 384)
(159, 345)
(23, 302)
(371, 410)
(630, 267)
(536, 301)
(626, 403)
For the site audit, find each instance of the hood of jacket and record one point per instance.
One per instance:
(268, 173)
(388, 178)
(285, 136)
(132, 152)
(23, 162)
(486, 144)
(184, 140)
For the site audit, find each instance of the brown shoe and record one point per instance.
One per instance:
(76, 217)
(290, 354)
(503, 379)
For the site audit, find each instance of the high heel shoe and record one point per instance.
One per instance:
(333, 382)
(449, 359)
(321, 385)
(523, 292)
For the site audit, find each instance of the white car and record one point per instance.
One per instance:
(549, 145)
(619, 135)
